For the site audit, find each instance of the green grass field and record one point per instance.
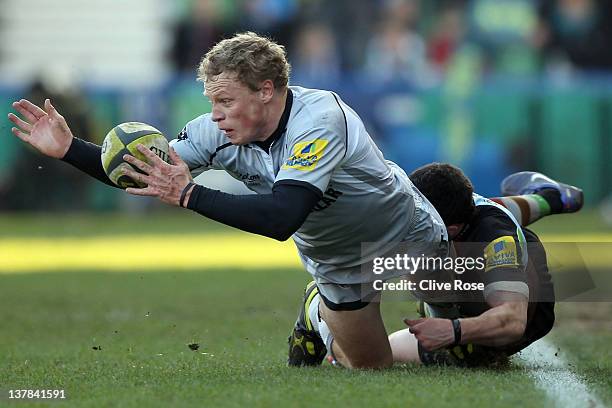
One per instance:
(120, 337)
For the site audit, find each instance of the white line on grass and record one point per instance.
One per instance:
(551, 373)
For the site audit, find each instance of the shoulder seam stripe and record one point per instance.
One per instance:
(345, 125)
(219, 148)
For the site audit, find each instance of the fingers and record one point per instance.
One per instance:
(139, 177)
(176, 160)
(152, 158)
(23, 125)
(141, 191)
(413, 322)
(35, 110)
(51, 110)
(21, 135)
(138, 163)
(413, 325)
(174, 157)
(28, 110)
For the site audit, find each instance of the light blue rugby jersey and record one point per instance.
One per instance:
(366, 199)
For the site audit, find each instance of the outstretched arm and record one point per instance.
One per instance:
(277, 215)
(47, 131)
(503, 324)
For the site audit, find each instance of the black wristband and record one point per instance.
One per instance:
(184, 193)
(457, 330)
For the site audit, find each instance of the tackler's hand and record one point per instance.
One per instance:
(433, 333)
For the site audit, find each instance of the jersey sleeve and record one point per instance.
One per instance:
(312, 158)
(504, 257)
(196, 144)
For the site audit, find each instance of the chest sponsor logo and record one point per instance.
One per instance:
(306, 155)
(249, 179)
(501, 253)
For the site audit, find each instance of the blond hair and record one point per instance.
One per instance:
(251, 57)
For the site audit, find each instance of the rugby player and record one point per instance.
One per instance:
(318, 176)
(482, 224)
(516, 306)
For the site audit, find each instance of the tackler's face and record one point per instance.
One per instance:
(237, 109)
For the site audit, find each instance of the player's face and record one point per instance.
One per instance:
(238, 111)
(454, 230)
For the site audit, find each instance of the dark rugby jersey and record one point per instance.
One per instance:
(515, 260)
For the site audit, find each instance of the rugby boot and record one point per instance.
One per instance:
(530, 182)
(306, 348)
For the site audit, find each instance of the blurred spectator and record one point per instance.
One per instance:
(274, 18)
(200, 30)
(63, 189)
(447, 33)
(315, 60)
(351, 23)
(577, 30)
(396, 50)
(503, 30)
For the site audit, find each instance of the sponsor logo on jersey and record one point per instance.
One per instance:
(183, 134)
(249, 179)
(501, 253)
(306, 155)
(329, 197)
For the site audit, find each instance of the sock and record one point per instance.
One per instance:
(527, 209)
(318, 324)
(553, 198)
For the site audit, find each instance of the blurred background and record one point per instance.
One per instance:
(493, 86)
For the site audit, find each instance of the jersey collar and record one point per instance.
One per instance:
(282, 125)
(467, 227)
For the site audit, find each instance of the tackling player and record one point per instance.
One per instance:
(516, 307)
(318, 176)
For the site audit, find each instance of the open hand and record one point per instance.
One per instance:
(46, 130)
